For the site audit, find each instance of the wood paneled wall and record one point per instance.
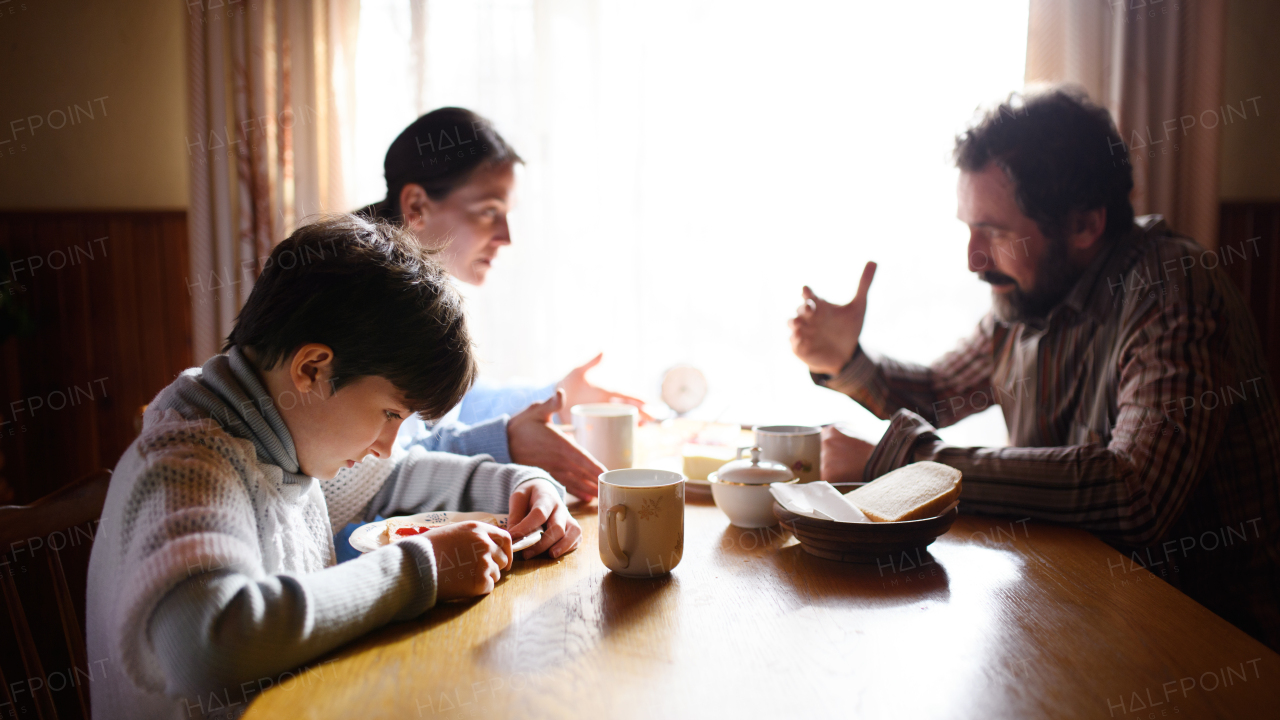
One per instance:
(112, 326)
(1253, 230)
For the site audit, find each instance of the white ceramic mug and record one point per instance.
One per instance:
(607, 431)
(641, 521)
(799, 447)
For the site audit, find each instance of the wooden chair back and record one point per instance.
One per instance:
(43, 577)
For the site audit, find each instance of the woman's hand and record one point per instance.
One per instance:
(536, 503)
(579, 391)
(470, 558)
(533, 440)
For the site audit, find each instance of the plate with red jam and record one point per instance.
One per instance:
(371, 536)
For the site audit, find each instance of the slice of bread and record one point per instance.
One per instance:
(393, 525)
(915, 491)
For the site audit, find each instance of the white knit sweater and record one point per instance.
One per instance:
(213, 567)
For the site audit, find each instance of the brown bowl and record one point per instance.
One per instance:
(863, 542)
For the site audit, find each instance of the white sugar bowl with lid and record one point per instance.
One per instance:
(741, 489)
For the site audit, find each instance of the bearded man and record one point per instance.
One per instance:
(1128, 369)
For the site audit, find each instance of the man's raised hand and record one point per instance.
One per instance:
(824, 335)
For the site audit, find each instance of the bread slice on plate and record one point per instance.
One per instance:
(399, 528)
(913, 492)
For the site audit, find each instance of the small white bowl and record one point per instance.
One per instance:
(748, 506)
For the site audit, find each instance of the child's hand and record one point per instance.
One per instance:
(535, 503)
(470, 558)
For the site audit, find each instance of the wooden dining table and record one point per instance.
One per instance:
(1000, 618)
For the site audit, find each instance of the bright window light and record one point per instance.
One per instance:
(691, 165)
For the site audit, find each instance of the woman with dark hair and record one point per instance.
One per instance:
(449, 181)
(449, 178)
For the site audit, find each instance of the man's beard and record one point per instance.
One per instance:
(1055, 276)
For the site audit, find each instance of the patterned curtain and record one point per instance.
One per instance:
(271, 90)
(1157, 66)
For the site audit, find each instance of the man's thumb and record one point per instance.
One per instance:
(864, 284)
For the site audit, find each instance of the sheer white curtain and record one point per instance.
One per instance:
(692, 164)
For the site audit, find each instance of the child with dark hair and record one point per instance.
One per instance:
(214, 563)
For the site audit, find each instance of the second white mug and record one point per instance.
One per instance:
(607, 431)
(799, 447)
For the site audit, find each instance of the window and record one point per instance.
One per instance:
(692, 164)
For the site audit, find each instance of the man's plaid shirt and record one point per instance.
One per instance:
(1140, 410)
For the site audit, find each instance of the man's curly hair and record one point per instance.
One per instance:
(1063, 155)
